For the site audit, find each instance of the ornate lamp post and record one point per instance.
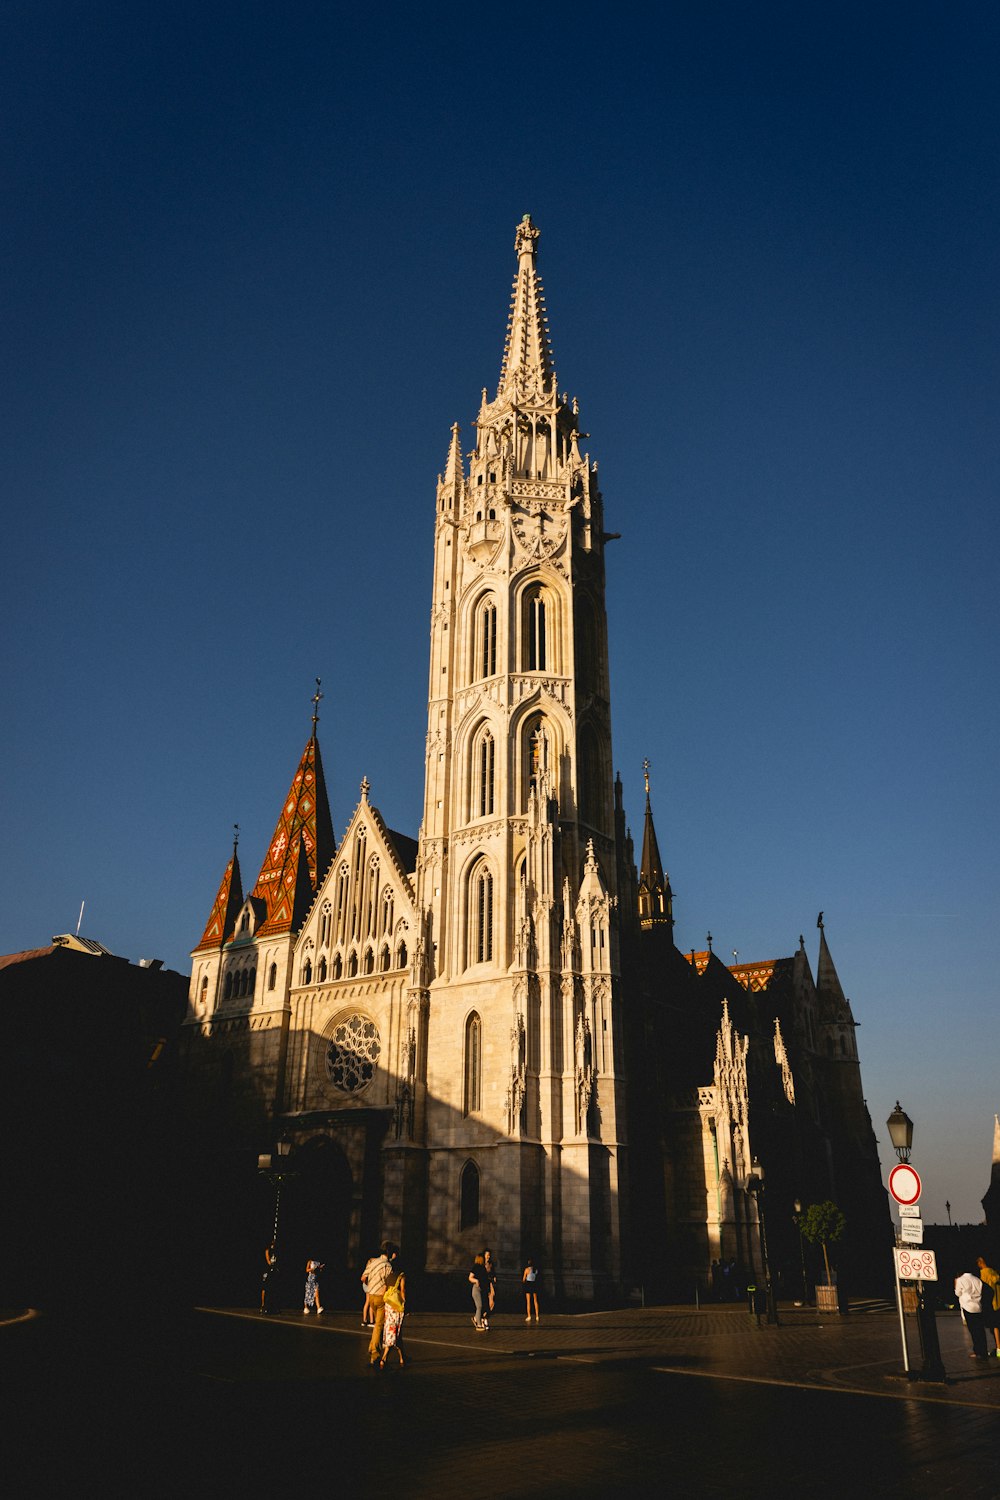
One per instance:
(277, 1168)
(900, 1128)
(797, 1221)
(900, 1132)
(755, 1187)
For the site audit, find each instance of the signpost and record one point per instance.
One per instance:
(915, 1265)
(911, 1231)
(904, 1184)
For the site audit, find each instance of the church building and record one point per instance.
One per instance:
(485, 1034)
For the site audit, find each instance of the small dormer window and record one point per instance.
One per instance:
(245, 921)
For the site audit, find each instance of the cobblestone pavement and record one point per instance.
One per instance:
(223, 1401)
(860, 1352)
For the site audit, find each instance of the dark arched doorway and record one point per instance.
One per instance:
(316, 1211)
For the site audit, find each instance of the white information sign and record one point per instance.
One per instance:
(915, 1265)
(909, 1210)
(912, 1230)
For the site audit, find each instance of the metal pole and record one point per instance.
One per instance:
(902, 1318)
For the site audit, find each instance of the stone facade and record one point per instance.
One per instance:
(448, 1023)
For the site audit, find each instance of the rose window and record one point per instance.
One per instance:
(352, 1056)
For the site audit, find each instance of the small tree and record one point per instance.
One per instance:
(823, 1224)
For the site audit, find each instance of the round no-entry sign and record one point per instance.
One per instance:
(904, 1183)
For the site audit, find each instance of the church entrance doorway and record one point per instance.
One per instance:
(317, 1219)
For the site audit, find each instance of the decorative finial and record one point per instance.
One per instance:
(236, 838)
(819, 921)
(365, 788)
(317, 695)
(709, 942)
(645, 772)
(525, 237)
(802, 941)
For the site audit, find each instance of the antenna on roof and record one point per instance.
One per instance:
(80, 917)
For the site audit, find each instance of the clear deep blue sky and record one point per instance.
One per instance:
(256, 261)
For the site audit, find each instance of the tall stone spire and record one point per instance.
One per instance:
(827, 978)
(656, 899)
(300, 850)
(527, 368)
(228, 900)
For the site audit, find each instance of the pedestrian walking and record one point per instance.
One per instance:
(969, 1291)
(395, 1309)
(491, 1272)
(267, 1281)
(530, 1282)
(379, 1272)
(313, 1268)
(479, 1278)
(367, 1315)
(991, 1290)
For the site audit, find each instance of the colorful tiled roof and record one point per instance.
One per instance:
(228, 900)
(300, 850)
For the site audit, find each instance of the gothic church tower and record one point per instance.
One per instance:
(516, 867)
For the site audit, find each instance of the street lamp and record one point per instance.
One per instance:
(900, 1128)
(755, 1187)
(797, 1221)
(900, 1132)
(277, 1168)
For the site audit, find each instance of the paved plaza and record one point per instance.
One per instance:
(634, 1402)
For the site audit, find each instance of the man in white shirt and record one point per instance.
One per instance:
(969, 1291)
(378, 1272)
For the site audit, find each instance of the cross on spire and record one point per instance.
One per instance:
(317, 695)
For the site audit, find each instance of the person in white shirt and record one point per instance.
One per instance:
(969, 1291)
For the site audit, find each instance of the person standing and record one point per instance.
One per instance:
(367, 1318)
(394, 1300)
(268, 1279)
(991, 1294)
(379, 1272)
(530, 1282)
(480, 1281)
(491, 1273)
(313, 1268)
(969, 1291)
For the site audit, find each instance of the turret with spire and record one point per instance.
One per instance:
(656, 899)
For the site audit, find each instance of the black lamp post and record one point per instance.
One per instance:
(797, 1221)
(900, 1132)
(755, 1187)
(277, 1168)
(900, 1128)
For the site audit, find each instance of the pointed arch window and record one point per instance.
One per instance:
(472, 1100)
(536, 628)
(481, 914)
(486, 639)
(324, 924)
(307, 971)
(401, 957)
(352, 965)
(338, 967)
(272, 976)
(321, 972)
(469, 1196)
(384, 960)
(227, 991)
(368, 962)
(343, 885)
(484, 775)
(252, 983)
(387, 913)
(204, 992)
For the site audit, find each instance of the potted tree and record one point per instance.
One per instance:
(823, 1224)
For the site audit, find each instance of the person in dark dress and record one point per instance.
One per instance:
(480, 1280)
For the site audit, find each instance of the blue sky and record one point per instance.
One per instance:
(257, 261)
